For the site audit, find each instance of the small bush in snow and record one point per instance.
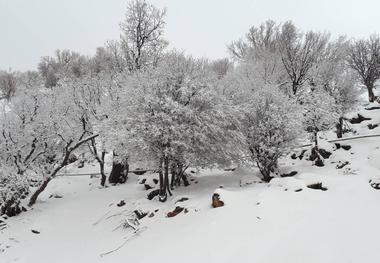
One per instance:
(13, 188)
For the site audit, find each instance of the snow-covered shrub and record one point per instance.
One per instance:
(272, 123)
(13, 188)
(334, 76)
(320, 114)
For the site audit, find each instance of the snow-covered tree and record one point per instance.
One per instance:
(364, 59)
(39, 139)
(8, 83)
(176, 119)
(346, 97)
(89, 95)
(337, 79)
(221, 67)
(320, 114)
(300, 52)
(142, 34)
(64, 63)
(282, 54)
(271, 125)
(258, 40)
(259, 54)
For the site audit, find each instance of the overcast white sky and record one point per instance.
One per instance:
(33, 28)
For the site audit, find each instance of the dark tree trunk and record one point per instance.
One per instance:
(178, 174)
(39, 190)
(164, 179)
(174, 173)
(315, 155)
(295, 88)
(102, 173)
(316, 139)
(162, 194)
(184, 179)
(339, 128)
(100, 160)
(166, 175)
(182, 174)
(371, 95)
(265, 172)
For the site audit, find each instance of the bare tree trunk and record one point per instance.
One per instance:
(339, 128)
(100, 160)
(174, 172)
(182, 174)
(164, 179)
(166, 175)
(102, 173)
(294, 87)
(68, 150)
(184, 178)
(371, 95)
(162, 194)
(39, 190)
(318, 161)
(316, 139)
(264, 172)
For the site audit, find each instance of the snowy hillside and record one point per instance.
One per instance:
(283, 221)
(139, 151)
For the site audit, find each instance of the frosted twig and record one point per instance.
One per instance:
(101, 218)
(117, 214)
(134, 234)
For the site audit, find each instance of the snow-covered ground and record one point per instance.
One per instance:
(283, 221)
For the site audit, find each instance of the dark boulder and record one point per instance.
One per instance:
(292, 173)
(153, 194)
(139, 171)
(121, 203)
(119, 174)
(183, 199)
(372, 126)
(359, 119)
(375, 185)
(340, 165)
(35, 231)
(317, 186)
(325, 154)
(140, 214)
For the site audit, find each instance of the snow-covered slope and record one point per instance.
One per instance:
(283, 221)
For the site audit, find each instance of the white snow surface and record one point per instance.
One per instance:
(259, 222)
